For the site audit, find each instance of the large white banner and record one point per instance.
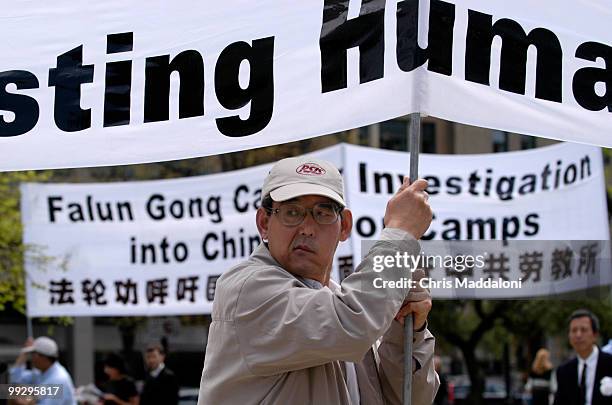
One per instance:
(104, 83)
(141, 248)
(551, 193)
(157, 247)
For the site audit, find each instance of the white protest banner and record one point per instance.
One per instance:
(541, 68)
(141, 248)
(551, 193)
(105, 83)
(556, 193)
(157, 247)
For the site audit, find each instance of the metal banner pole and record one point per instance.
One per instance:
(29, 327)
(414, 140)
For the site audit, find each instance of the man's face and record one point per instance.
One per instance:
(306, 249)
(153, 358)
(38, 361)
(581, 335)
(112, 372)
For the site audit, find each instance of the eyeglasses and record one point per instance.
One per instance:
(294, 214)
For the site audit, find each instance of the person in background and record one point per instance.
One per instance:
(541, 379)
(119, 389)
(161, 385)
(47, 370)
(579, 381)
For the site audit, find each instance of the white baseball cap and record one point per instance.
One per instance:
(294, 177)
(43, 345)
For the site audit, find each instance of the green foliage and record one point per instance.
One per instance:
(12, 250)
(607, 155)
(462, 321)
(478, 327)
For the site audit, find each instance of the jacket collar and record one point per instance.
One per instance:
(262, 255)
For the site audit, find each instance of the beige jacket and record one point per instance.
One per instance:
(273, 340)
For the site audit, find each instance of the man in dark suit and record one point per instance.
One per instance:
(579, 379)
(161, 385)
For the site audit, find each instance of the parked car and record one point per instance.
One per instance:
(494, 392)
(188, 396)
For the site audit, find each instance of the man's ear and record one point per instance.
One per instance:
(346, 224)
(262, 220)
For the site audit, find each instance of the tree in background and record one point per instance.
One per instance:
(463, 324)
(486, 326)
(12, 250)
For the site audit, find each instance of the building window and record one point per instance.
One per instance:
(500, 141)
(394, 135)
(528, 142)
(364, 136)
(428, 137)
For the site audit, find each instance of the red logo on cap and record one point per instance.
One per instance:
(310, 169)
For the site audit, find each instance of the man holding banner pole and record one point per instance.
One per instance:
(284, 332)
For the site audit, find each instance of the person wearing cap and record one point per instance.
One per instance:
(47, 370)
(284, 332)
